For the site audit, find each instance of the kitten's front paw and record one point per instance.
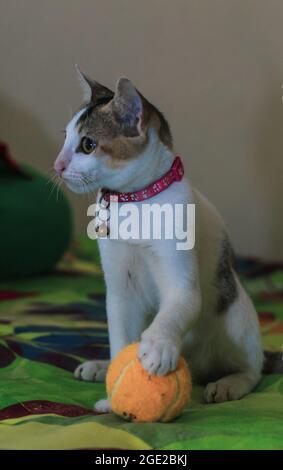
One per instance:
(103, 406)
(158, 355)
(92, 371)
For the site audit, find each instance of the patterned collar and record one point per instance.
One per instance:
(175, 173)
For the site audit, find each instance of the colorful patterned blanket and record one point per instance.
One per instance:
(49, 324)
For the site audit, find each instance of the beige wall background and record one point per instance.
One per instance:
(214, 67)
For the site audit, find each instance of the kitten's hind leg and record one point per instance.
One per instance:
(92, 371)
(95, 371)
(232, 387)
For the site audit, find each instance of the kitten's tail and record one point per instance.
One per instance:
(273, 362)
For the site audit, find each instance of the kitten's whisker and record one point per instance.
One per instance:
(88, 180)
(55, 183)
(51, 179)
(52, 191)
(85, 187)
(58, 188)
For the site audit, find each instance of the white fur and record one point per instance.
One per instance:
(168, 301)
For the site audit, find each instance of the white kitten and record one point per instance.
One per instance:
(172, 301)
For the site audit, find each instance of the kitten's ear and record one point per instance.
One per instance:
(127, 106)
(92, 90)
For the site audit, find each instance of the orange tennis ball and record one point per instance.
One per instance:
(136, 395)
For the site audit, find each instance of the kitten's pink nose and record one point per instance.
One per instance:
(60, 165)
(62, 161)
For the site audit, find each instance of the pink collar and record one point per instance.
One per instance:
(175, 173)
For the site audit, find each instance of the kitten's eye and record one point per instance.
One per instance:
(88, 144)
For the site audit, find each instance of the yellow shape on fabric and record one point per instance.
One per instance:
(39, 436)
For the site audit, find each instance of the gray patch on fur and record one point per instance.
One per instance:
(225, 278)
(86, 115)
(114, 125)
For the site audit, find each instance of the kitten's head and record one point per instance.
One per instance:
(106, 139)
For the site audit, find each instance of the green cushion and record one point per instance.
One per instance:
(36, 224)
